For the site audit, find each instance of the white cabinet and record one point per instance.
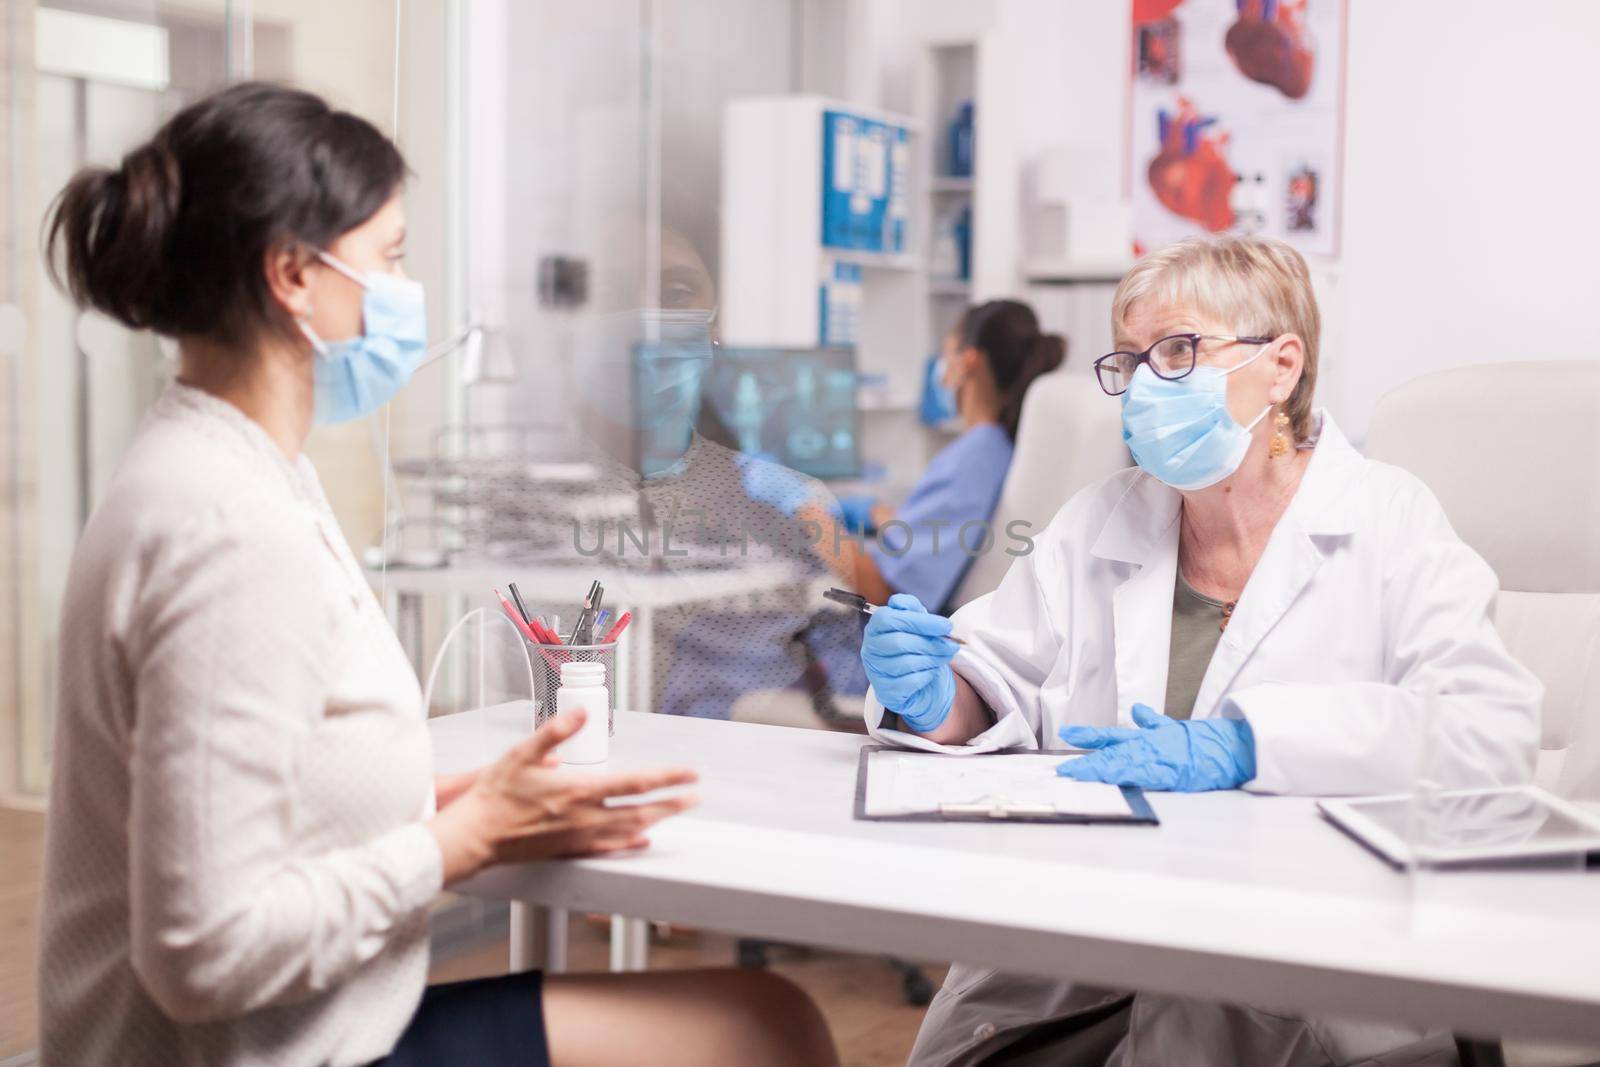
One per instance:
(818, 231)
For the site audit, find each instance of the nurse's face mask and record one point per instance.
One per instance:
(1176, 423)
(355, 376)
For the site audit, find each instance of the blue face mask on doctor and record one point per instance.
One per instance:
(355, 376)
(1181, 432)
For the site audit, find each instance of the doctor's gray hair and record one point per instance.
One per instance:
(1255, 285)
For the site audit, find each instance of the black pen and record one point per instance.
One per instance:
(860, 603)
(583, 629)
(516, 598)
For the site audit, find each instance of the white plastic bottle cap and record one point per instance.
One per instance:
(583, 674)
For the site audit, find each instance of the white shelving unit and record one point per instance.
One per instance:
(773, 259)
(947, 76)
(775, 265)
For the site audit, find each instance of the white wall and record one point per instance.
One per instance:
(698, 72)
(1468, 224)
(571, 136)
(1470, 165)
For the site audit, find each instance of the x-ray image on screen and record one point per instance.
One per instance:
(796, 406)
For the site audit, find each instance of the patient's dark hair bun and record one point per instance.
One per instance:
(176, 239)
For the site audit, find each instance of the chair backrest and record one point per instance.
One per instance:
(1509, 450)
(1069, 436)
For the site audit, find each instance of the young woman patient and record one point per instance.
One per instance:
(245, 833)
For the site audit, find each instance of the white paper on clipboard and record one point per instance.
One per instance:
(905, 783)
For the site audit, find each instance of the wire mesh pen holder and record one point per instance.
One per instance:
(547, 660)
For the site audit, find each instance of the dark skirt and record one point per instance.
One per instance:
(485, 1022)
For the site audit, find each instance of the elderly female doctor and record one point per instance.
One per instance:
(1255, 605)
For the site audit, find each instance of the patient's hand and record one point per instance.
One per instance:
(523, 807)
(447, 788)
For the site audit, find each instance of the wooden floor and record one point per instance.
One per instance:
(21, 857)
(859, 995)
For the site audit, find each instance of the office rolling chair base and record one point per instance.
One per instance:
(1475, 1053)
(916, 987)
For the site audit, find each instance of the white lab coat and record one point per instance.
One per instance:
(1363, 642)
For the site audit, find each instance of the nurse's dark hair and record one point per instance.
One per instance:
(1007, 333)
(177, 238)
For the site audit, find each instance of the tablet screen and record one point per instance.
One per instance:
(1470, 822)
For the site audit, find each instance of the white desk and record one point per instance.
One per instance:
(1234, 897)
(743, 587)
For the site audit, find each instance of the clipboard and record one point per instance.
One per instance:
(1140, 813)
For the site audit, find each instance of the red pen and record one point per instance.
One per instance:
(516, 619)
(616, 631)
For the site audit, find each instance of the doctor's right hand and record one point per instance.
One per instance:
(907, 655)
(524, 806)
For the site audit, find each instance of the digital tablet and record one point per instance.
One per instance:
(1468, 826)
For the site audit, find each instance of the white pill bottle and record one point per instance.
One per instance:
(583, 685)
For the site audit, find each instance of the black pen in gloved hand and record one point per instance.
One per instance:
(860, 603)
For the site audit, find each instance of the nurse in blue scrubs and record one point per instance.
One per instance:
(990, 358)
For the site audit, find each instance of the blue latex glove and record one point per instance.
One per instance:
(769, 482)
(907, 657)
(855, 512)
(1187, 756)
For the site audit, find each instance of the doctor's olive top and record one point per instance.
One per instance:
(237, 870)
(1197, 624)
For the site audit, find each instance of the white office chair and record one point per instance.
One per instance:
(1070, 436)
(1509, 450)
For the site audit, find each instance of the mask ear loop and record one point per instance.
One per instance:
(342, 268)
(1259, 352)
(1256, 421)
(318, 345)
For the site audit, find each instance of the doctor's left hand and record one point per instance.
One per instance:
(1186, 756)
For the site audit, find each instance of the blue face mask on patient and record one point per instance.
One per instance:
(1181, 432)
(355, 376)
(671, 362)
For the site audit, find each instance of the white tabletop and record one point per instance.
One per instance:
(1236, 897)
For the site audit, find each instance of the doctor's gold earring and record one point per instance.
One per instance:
(1279, 446)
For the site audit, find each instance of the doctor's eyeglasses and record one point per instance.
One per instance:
(1171, 358)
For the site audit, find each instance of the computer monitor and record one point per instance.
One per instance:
(797, 406)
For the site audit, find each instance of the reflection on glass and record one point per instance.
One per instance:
(796, 407)
(95, 78)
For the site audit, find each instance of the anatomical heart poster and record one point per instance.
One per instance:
(1236, 120)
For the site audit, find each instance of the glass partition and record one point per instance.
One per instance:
(589, 421)
(81, 82)
(84, 81)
